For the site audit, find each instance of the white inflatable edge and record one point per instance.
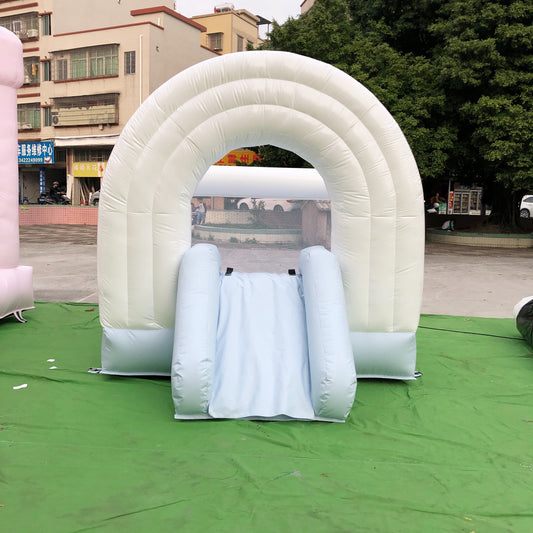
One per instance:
(517, 308)
(261, 182)
(16, 290)
(195, 334)
(331, 364)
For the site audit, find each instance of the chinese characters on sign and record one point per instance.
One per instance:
(36, 152)
(42, 180)
(89, 169)
(244, 157)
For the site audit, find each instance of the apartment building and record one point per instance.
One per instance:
(88, 66)
(306, 5)
(230, 30)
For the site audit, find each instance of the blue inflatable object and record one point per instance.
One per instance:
(260, 345)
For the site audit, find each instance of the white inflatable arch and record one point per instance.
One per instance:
(249, 99)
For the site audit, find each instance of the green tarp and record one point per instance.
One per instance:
(449, 452)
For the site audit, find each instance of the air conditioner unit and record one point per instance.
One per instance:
(27, 126)
(33, 33)
(68, 116)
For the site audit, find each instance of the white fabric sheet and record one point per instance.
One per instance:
(261, 363)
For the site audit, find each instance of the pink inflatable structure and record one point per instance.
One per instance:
(16, 282)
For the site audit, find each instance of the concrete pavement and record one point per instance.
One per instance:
(458, 280)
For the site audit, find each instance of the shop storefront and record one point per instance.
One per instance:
(86, 161)
(40, 164)
(463, 200)
(88, 169)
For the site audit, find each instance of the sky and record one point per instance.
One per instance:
(269, 9)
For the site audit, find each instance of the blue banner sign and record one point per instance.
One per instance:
(42, 180)
(36, 152)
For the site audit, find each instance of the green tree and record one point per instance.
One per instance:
(322, 34)
(455, 74)
(404, 82)
(485, 60)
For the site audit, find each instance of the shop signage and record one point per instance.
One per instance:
(36, 153)
(450, 202)
(243, 157)
(42, 180)
(89, 169)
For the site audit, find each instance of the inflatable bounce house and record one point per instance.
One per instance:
(16, 281)
(256, 345)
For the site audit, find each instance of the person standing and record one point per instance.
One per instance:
(201, 212)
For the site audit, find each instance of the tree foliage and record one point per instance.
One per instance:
(455, 74)
(485, 58)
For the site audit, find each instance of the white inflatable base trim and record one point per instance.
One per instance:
(280, 418)
(136, 352)
(16, 290)
(384, 355)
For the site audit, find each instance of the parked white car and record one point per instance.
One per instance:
(526, 206)
(270, 204)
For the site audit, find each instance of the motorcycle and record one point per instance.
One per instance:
(46, 199)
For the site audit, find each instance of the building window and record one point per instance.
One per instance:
(24, 26)
(62, 69)
(16, 25)
(29, 116)
(31, 70)
(46, 24)
(45, 71)
(240, 43)
(86, 63)
(94, 155)
(78, 64)
(103, 61)
(47, 116)
(215, 41)
(60, 155)
(129, 62)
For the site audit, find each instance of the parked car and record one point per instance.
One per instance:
(270, 204)
(526, 206)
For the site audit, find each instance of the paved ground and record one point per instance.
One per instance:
(459, 280)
